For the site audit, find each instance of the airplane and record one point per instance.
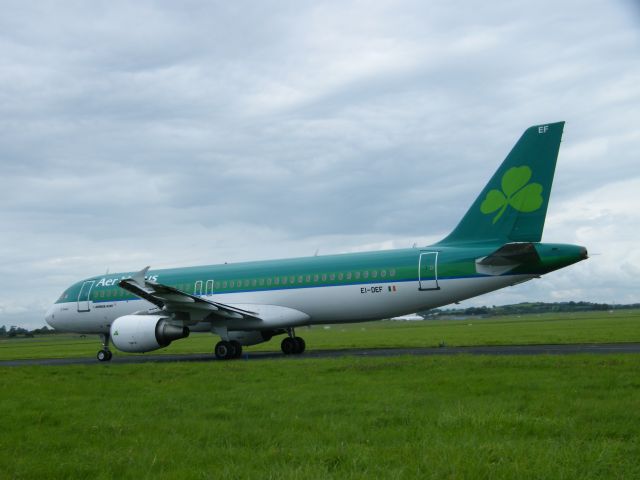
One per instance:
(495, 245)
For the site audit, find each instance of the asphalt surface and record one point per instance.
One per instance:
(602, 348)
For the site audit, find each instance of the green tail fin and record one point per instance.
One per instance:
(513, 205)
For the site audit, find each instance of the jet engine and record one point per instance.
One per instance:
(144, 333)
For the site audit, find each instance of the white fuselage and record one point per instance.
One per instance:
(322, 305)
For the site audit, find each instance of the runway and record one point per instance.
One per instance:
(602, 349)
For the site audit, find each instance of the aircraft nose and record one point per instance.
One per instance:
(50, 317)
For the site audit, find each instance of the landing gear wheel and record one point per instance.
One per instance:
(222, 350)
(288, 346)
(225, 350)
(300, 345)
(237, 348)
(103, 355)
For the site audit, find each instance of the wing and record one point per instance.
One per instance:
(507, 257)
(174, 300)
(192, 309)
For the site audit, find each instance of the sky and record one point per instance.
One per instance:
(198, 132)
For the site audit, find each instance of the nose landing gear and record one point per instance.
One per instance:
(104, 355)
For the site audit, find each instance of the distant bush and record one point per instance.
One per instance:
(14, 331)
(525, 308)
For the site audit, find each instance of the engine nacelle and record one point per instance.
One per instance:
(253, 337)
(144, 333)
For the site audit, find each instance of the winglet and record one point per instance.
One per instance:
(139, 277)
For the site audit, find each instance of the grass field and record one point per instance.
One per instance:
(592, 327)
(561, 417)
(479, 417)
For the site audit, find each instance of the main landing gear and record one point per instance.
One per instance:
(104, 355)
(292, 345)
(227, 350)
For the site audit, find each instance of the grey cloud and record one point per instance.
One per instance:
(201, 132)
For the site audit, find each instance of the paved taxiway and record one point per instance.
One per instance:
(602, 348)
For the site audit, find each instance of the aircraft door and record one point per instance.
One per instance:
(209, 288)
(83, 296)
(428, 271)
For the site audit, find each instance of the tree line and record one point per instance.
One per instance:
(14, 331)
(529, 307)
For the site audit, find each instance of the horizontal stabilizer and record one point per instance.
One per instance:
(507, 257)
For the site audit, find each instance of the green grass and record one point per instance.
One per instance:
(560, 417)
(593, 327)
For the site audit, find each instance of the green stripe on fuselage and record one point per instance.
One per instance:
(321, 271)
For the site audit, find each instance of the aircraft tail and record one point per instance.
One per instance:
(513, 205)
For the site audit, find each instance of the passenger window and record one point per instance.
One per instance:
(315, 278)
(374, 274)
(332, 277)
(348, 275)
(276, 281)
(284, 280)
(246, 283)
(392, 272)
(299, 278)
(308, 278)
(253, 282)
(261, 282)
(383, 273)
(340, 276)
(268, 282)
(292, 279)
(365, 274)
(357, 275)
(324, 277)
(224, 284)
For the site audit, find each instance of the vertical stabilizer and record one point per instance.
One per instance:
(513, 205)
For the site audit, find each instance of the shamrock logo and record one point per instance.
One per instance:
(516, 191)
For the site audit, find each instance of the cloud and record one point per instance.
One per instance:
(152, 133)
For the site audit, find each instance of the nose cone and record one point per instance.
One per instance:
(50, 317)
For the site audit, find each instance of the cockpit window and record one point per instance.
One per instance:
(64, 297)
